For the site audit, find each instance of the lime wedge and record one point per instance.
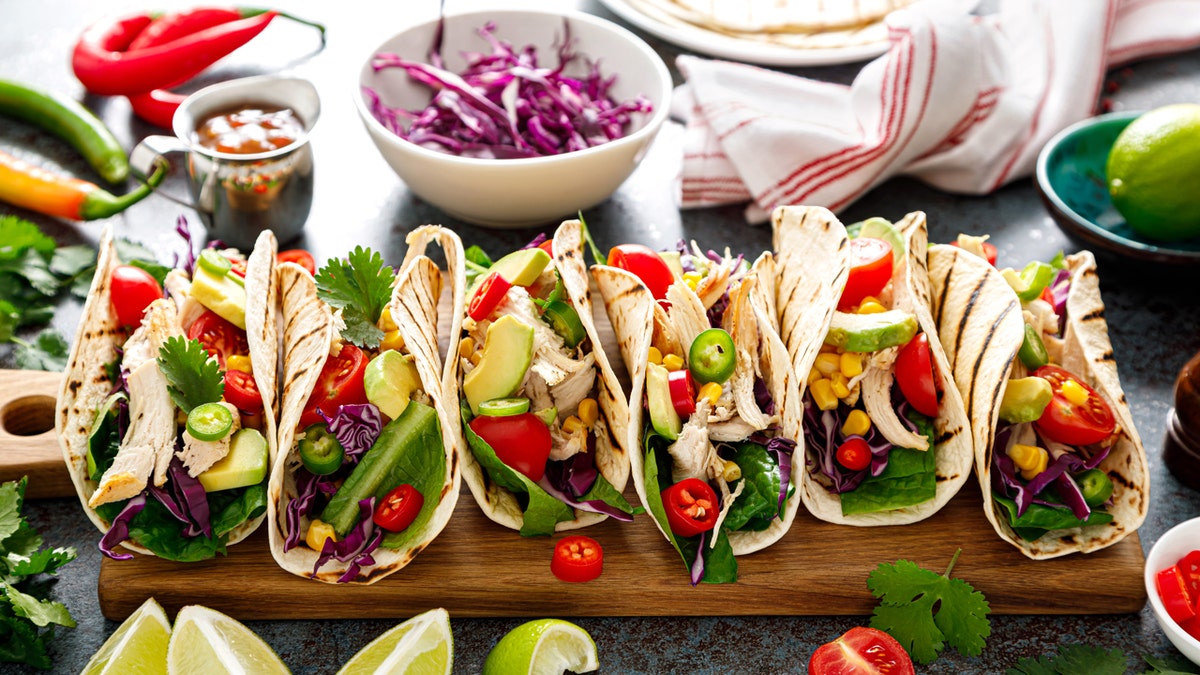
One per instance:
(543, 647)
(420, 646)
(137, 647)
(207, 641)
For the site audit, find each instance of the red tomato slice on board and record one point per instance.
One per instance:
(1073, 422)
(577, 558)
(133, 289)
(242, 391)
(861, 651)
(399, 508)
(645, 264)
(520, 441)
(219, 338)
(340, 383)
(300, 257)
(916, 375)
(870, 271)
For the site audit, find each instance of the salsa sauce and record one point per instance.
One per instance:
(250, 130)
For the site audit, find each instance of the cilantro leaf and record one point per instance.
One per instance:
(70, 261)
(33, 268)
(1169, 666)
(19, 235)
(22, 642)
(361, 287)
(1042, 665)
(477, 255)
(925, 610)
(12, 494)
(48, 351)
(1073, 660)
(193, 377)
(40, 612)
(40, 562)
(10, 318)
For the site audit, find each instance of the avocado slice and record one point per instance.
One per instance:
(390, 379)
(674, 262)
(871, 332)
(521, 268)
(221, 294)
(663, 417)
(246, 463)
(1025, 399)
(507, 353)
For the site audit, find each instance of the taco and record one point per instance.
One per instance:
(887, 439)
(1057, 456)
(143, 363)
(713, 405)
(368, 472)
(544, 414)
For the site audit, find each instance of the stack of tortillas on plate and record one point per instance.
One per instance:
(798, 24)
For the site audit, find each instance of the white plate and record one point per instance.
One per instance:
(728, 47)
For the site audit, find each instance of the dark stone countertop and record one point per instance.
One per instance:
(1153, 314)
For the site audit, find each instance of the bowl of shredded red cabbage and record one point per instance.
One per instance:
(513, 118)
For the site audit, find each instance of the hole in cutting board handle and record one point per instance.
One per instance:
(28, 416)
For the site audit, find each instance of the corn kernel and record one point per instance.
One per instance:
(1030, 459)
(466, 347)
(827, 363)
(391, 340)
(692, 279)
(318, 532)
(731, 471)
(386, 322)
(814, 375)
(822, 391)
(572, 425)
(857, 423)
(710, 391)
(871, 307)
(1074, 392)
(654, 356)
(840, 385)
(588, 412)
(850, 363)
(238, 362)
(476, 357)
(672, 362)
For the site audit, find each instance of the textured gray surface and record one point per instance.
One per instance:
(1153, 313)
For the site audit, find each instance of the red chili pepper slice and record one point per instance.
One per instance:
(577, 558)
(399, 508)
(1173, 591)
(488, 296)
(691, 507)
(683, 392)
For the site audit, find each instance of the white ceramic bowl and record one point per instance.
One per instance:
(1176, 543)
(518, 192)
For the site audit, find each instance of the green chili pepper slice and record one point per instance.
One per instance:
(712, 356)
(1033, 350)
(1031, 281)
(1095, 486)
(504, 407)
(563, 318)
(214, 263)
(209, 422)
(320, 451)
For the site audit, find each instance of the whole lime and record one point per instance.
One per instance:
(1154, 173)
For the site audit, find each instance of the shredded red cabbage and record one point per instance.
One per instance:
(356, 427)
(762, 396)
(1058, 473)
(308, 487)
(1060, 288)
(698, 565)
(189, 262)
(783, 448)
(118, 530)
(716, 313)
(569, 479)
(505, 106)
(537, 241)
(356, 547)
(185, 498)
(823, 434)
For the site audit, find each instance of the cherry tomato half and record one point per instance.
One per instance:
(242, 391)
(577, 558)
(916, 375)
(854, 454)
(645, 264)
(861, 651)
(399, 508)
(300, 257)
(989, 252)
(488, 296)
(220, 338)
(340, 383)
(548, 247)
(520, 441)
(683, 392)
(133, 289)
(691, 506)
(870, 271)
(1083, 423)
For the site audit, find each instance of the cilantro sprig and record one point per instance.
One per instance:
(27, 616)
(925, 610)
(1079, 659)
(360, 286)
(193, 378)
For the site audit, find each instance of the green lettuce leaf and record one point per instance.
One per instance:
(230, 508)
(1039, 519)
(605, 492)
(909, 479)
(422, 466)
(759, 502)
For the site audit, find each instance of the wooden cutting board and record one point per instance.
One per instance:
(28, 446)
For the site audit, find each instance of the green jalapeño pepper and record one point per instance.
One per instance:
(209, 422)
(712, 356)
(1033, 350)
(320, 451)
(1029, 282)
(563, 318)
(1095, 486)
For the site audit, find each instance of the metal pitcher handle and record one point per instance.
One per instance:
(149, 151)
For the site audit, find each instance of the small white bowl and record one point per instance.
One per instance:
(518, 192)
(1168, 550)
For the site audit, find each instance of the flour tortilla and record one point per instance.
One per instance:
(309, 329)
(86, 385)
(982, 330)
(612, 454)
(814, 263)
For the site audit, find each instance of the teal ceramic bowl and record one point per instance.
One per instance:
(1070, 180)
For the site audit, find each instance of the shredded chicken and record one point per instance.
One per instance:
(151, 435)
(564, 445)
(877, 399)
(161, 321)
(551, 359)
(727, 500)
(742, 326)
(973, 244)
(687, 317)
(692, 454)
(199, 456)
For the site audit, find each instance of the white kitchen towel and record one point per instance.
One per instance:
(962, 102)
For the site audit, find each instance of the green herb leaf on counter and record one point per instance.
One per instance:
(361, 287)
(925, 610)
(48, 351)
(1073, 660)
(1169, 666)
(27, 616)
(193, 378)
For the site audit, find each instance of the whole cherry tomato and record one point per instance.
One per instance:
(577, 558)
(646, 265)
(691, 506)
(133, 289)
(520, 441)
(340, 383)
(1077, 415)
(870, 271)
(399, 508)
(854, 454)
(242, 391)
(220, 338)
(861, 651)
(916, 375)
(300, 257)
